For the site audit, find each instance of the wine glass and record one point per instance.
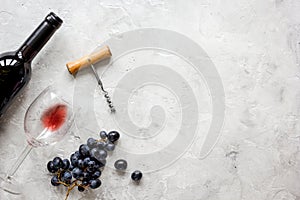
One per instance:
(47, 120)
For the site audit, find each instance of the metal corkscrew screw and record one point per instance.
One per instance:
(106, 95)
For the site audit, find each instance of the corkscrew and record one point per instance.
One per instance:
(90, 60)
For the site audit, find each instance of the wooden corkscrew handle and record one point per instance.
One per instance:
(88, 60)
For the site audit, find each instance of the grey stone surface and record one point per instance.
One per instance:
(255, 46)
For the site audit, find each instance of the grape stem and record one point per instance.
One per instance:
(70, 188)
(63, 183)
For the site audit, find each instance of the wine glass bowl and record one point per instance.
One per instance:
(47, 119)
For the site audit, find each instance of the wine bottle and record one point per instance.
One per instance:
(15, 66)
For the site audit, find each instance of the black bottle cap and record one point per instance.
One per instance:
(54, 20)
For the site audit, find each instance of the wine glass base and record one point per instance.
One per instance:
(10, 185)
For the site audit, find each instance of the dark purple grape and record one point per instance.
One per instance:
(96, 174)
(51, 168)
(57, 162)
(66, 164)
(84, 150)
(110, 146)
(77, 173)
(103, 134)
(80, 164)
(121, 164)
(95, 183)
(80, 188)
(91, 142)
(74, 160)
(113, 136)
(55, 181)
(66, 176)
(77, 154)
(136, 175)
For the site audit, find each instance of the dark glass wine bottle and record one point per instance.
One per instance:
(15, 66)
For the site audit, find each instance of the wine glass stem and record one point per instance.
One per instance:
(19, 161)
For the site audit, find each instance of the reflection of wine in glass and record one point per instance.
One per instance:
(47, 120)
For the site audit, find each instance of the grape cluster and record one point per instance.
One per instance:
(85, 166)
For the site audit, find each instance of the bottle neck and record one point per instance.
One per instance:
(39, 37)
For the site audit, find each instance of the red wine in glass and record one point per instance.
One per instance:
(54, 117)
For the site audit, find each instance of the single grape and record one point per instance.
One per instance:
(99, 154)
(100, 145)
(103, 134)
(109, 147)
(51, 168)
(84, 150)
(77, 154)
(66, 164)
(96, 174)
(91, 142)
(136, 175)
(66, 176)
(95, 183)
(80, 164)
(77, 173)
(80, 188)
(57, 162)
(102, 154)
(55, 181)
(121, 164)
(74, 159)
(86, 161)
(113, 136)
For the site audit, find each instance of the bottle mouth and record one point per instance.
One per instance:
(54, 20)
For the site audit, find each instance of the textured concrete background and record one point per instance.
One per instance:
(255, 46)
